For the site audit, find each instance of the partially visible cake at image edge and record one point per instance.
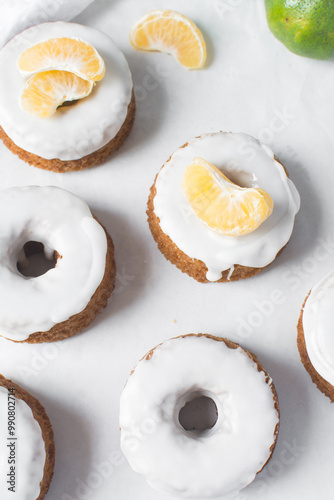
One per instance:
(315, 338)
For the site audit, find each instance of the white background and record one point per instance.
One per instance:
(251, 84)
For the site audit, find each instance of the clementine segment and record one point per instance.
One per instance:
(45, 91)
(64, 54)
(222, 205)
(173, 33)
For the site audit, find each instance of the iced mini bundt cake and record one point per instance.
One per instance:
(46, 68)
(27, 449)
(222, 207)
(315, 335)
(159, 433)
(60, 302)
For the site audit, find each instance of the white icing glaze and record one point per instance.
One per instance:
(74, 131)
(249, 163)
(29, 449)
(62, 222)
(318, 327)
(225, 458)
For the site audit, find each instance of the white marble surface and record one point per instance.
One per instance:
(252, 84)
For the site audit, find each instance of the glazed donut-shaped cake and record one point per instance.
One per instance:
(27, 450)
(215, 461)
(59, 303)
(315, 335)
(76, 136)
(194, 246)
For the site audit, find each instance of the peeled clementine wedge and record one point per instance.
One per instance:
(64, 54)
(47, 90)
(222, 205)
(170, 32)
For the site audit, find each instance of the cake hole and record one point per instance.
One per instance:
(198, 414)
(33, 261)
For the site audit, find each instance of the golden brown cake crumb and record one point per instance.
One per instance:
(95, 158)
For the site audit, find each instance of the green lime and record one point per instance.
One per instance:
(306, 27)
